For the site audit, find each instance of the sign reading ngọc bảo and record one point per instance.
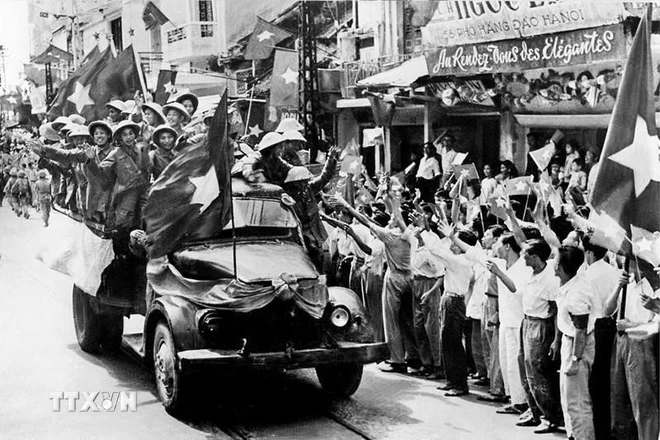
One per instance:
(465, 22)
(607, 43)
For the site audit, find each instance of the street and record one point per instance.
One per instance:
(41, 357)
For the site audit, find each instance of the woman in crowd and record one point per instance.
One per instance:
(177, 116)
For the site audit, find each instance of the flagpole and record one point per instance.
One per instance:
(231, 201)
(138, 64)
(247, 120)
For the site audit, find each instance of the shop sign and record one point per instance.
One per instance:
(461, 22)
(586, 46)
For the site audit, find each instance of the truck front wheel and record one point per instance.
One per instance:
(86, 321)
(341, 380)
(169, 381)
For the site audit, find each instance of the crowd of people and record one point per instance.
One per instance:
(463, 279)
(482, 286)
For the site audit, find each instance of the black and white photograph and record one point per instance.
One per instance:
(329, 219)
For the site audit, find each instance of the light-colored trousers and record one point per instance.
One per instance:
(509, 349)
(574, 390)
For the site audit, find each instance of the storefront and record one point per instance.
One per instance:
(490, 89)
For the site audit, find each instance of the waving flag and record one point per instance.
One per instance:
(165, 86)
(283, 101)
(264, 37)
(96, 82)
(627, 187)
(543, 156)
(646, 244)
(519, 186)
(192, 197)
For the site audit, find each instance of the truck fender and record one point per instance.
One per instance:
(179, 314)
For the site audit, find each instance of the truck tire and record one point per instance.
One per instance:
(86, 321)
(341, 380)
(112, 332)
(170, 384)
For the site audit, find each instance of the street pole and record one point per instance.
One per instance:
(74, 34)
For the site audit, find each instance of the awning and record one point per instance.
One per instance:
(401, 76)
(52, 54)
(569, 121)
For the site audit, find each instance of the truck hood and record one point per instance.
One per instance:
(255, 262)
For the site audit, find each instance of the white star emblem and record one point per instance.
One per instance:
(169, 87)
(256, 130)
(520, 186)
(544, 185)
(265, 35)
(12, 100)
(501, 203)
(290, 76)
(465, 174)
(547, 155)
(644, 245)
(206, 189)
(641, 157)
(80, 97)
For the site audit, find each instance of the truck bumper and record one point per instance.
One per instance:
(347, 352)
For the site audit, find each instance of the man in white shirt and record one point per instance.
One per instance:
(538, 355)
(428, 275)
(603, 276)
(458, 278)
(511, 278)
(575, 326)
(428, 173)
(634, 376)
(489, 325)
(447, 154)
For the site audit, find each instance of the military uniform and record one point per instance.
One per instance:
(127, 170)
(43, 195)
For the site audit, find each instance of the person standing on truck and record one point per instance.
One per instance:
(163, 138)
(126, 169)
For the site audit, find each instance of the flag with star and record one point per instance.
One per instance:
(97, 82)
(627, 187)
(646, 245)
(263, 39)
(283, 101)
(191, 200)
(519, 186)
(543, 156)
(165, 86)
(498, 206)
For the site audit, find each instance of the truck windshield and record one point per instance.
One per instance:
(258, 213)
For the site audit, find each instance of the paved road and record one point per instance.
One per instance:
(39, 356)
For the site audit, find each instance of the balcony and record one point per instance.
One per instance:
(151, 61)
(190, 41)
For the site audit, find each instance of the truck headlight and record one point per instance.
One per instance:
(340, 316)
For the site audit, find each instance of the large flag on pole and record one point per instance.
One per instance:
(262, 40)
(627, 187)
(284, 94)
(96, 82)
(192, 197)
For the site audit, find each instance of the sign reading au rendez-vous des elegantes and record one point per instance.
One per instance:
(607, 43)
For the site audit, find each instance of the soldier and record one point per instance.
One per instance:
(115, 109)
(43, 194)
(189, 101)
(164, 138)
(294, 142)
(266, 164)
(304, 188)
(3, 182)
(153, 117)
(126, 169)
(177, 116)
(7, 188)
(22, 193)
